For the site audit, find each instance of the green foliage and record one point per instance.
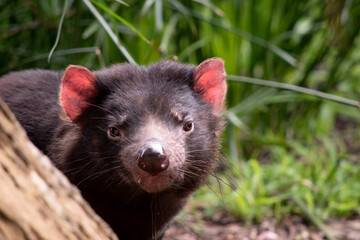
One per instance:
(287, 152)
(328, 186)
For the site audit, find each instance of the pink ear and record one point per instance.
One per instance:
(210, 82)
(78, 87)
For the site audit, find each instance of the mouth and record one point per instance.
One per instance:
(147, 172)
(155, 184)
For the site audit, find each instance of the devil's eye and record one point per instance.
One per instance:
(188, 126)
(113, 132)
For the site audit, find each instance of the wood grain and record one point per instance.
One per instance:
(36, 199)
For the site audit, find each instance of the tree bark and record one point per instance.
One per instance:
(36, 199)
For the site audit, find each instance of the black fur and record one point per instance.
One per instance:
(93, 162)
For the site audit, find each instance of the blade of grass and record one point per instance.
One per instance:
(126, 23)
(253, 101)
(259, 41)
(234, 154)
(159, 20)
(59, 30)
(58, 54)
(193, 47)
(110, 32)
(90, 30)
(169, 31)
(122, 2)
(313, 218)
(210, 5)
(294, 88)
(147, 5)
(186, 16)
(180, 8)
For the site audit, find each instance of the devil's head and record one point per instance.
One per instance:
(155, 127)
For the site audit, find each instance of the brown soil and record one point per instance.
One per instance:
(223, 227)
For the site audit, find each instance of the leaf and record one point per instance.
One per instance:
(108, 30)
(59, 30)
(121, 20)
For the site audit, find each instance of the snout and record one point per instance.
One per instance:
(153, 159)
(156, 157)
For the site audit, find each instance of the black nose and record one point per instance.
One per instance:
(153, 160)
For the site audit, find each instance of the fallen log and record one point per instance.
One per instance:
(36, 199)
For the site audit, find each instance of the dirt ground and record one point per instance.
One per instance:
(222, 227)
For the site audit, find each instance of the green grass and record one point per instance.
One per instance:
(288, 152)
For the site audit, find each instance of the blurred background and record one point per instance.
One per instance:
(285, 153)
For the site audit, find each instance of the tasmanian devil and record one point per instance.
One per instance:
(137, 141)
